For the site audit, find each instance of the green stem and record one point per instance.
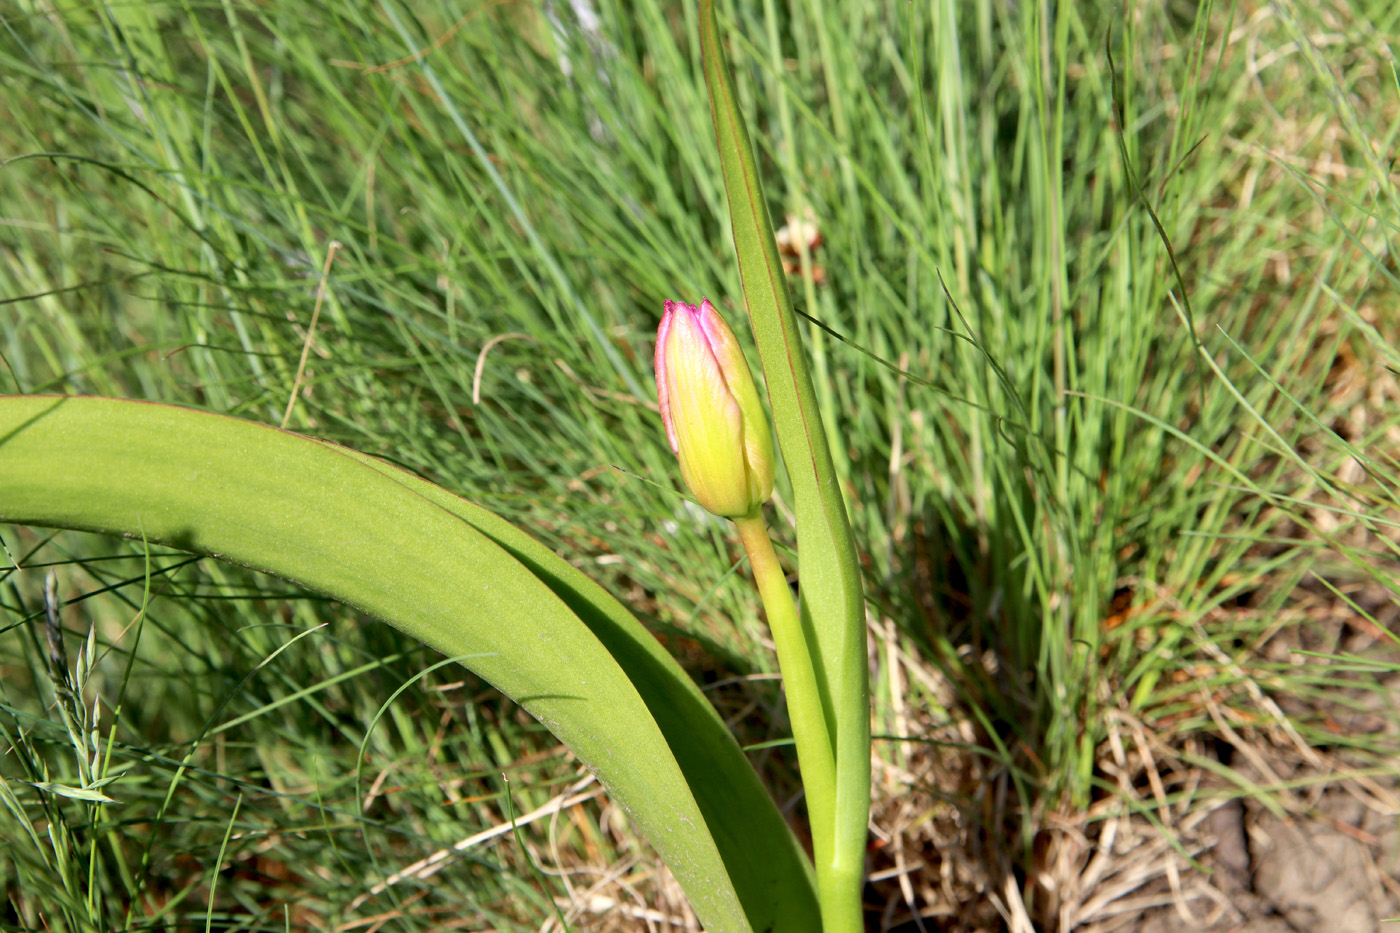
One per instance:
(838, 887)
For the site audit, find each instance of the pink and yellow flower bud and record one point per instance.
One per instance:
(714, 420)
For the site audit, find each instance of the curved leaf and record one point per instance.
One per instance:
(447, 572)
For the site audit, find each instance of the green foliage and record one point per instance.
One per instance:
(1092, 509)
(443, 571)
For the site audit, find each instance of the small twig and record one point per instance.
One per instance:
(426, 867)
(595, 393)
(310, 331)
(481, 361)
(424, 52)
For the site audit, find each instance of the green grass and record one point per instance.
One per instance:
(1100, 496)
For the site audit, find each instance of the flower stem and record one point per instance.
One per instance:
(812, 733)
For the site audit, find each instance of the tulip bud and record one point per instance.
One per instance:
(710, 406)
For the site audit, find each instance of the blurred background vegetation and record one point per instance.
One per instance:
(1108, 294)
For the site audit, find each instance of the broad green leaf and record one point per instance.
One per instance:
(447, 572)
(829, 573)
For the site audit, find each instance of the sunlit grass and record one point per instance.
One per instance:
(1114, 496)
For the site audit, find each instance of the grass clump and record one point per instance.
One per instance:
(1122, 497)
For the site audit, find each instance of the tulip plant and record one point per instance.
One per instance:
(718, 431)
(482, 591)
